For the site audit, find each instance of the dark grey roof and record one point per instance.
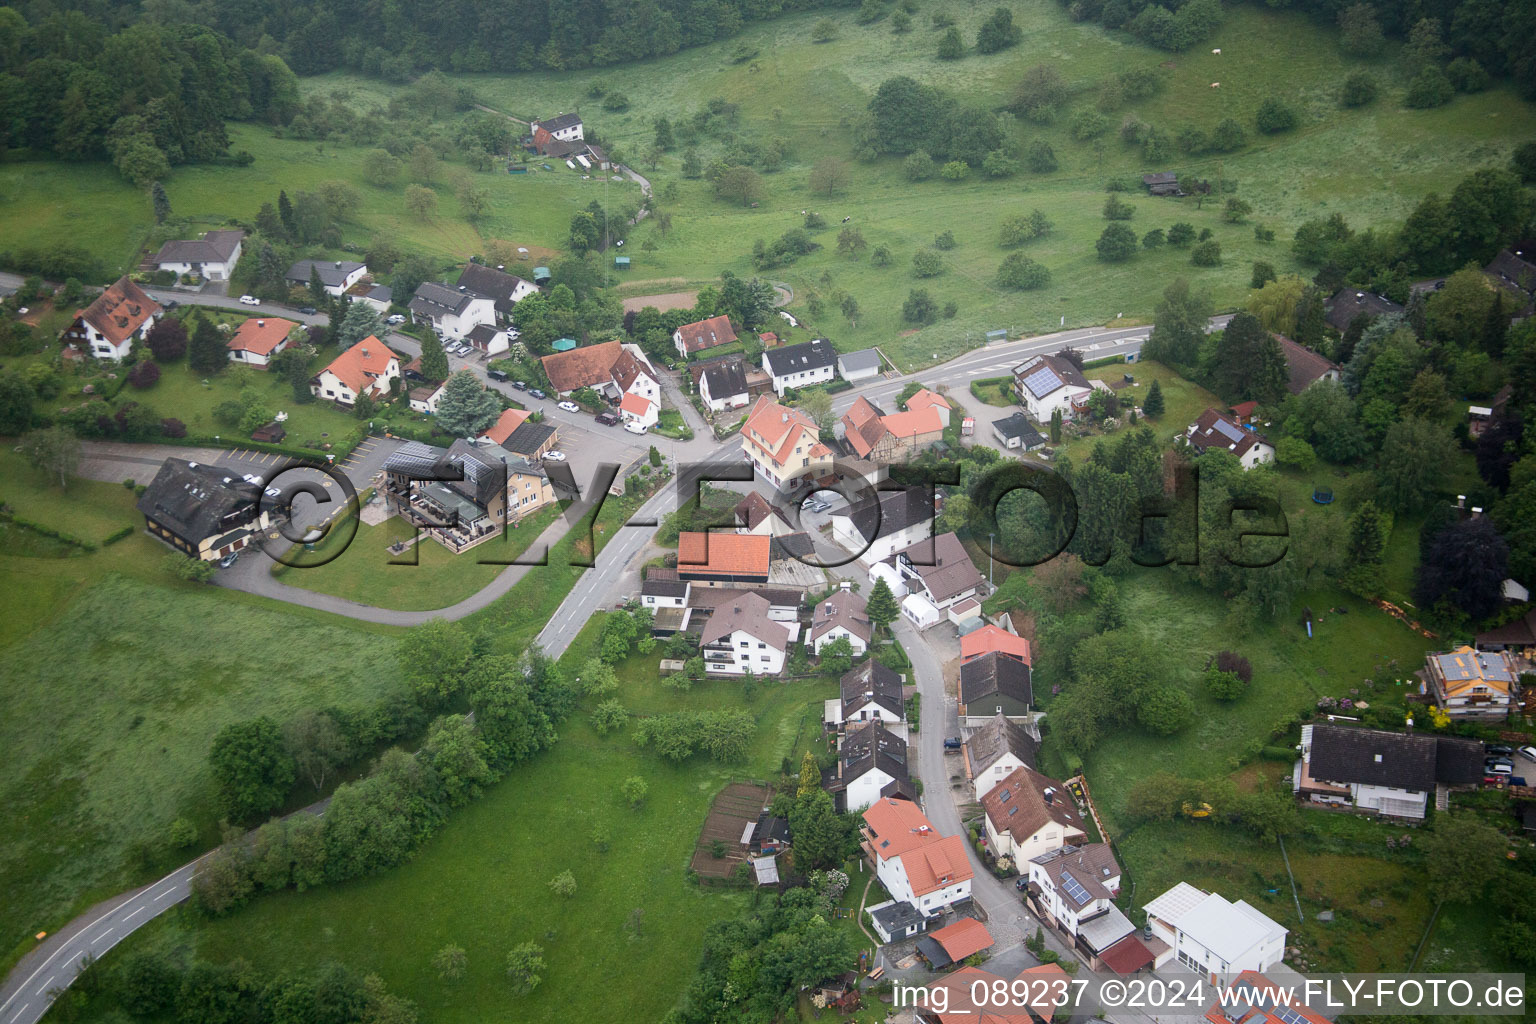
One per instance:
(1160, 178)
(483, 333)
(791, 545)
(435, 300)
(196, 501)
(863, 359)
(987, 745)
(1018, 425)
(1349, 303)
(869, 683)
(1515, 267)
(413, 455)
(726, 378)
(889, 512)
(867, 748)
(528, 438)
(1405, 760)
(497, 284)
(213, 247)
(813, 355)
(934, 953)
(485, 474)
(942, 564)
(664, 587)
(995, 674)
(897, 917)
(559, 122)
(1045, 375)
(381, 293)
(333, 273)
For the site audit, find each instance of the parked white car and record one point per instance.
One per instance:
(569, 407)
(394, 318)
(555, 456)
(250, 300)
(634, 427)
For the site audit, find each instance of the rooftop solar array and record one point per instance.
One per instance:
(1074, 888)
(1288, 1015)
(1042, 382)
(1229, 431)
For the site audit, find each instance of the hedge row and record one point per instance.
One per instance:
(49, 531)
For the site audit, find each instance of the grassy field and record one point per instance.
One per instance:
(111, 703)
(368, 573)
(1380, 902)
(43, 201)
(1372, 164)
(481, 882)
(1290, 672)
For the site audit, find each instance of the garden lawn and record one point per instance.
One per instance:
(192, 398)
(110, 707)
(367, 573)
(1381, 900)
(87, 510)
(481, 882)
(1185, 625)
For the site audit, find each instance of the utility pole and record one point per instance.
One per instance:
(990, 538)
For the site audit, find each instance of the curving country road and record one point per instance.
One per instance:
(25, 995)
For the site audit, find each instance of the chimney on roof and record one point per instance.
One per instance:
(365, 352)
(338, 264)
(1461, 501)
(261, 323)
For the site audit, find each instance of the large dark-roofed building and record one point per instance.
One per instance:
(203, 511)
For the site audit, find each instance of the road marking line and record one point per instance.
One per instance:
(136, 913)
(19, 1012)
(102, 936)
(163, 895)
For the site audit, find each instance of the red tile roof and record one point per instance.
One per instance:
(261, 335)
(913, 423)
(964, 937)
(362, 364)
(509, 421)
(120, 310)
(901, 831)
(583, 367)
(627, 369)
(778, 429)
(635, 405)
(991, 638)
(926, 399)
(862, 428)
(1127, 956)
(705, 334)
(726, 554)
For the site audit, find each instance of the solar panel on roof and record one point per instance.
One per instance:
(1228, 431)
(1288, 1015)
(1074, 888)
(1042, 382)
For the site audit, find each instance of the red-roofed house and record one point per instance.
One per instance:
(969, 996)
(108, 327)
(926, 399)
(914, 863)
(509, 421)
(993, 638)
(635, 408)
(364, 369)
(951, 944)
(784, 445)
(702, 335)
(259, 340)
(715, 559)
(882, 438)
(1216, 431)
(611, 368)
